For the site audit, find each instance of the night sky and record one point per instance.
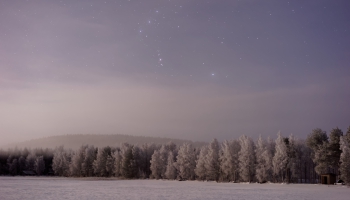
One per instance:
(189, 69)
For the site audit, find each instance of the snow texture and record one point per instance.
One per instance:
(92, 188)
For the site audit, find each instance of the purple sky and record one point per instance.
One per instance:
(183, 69)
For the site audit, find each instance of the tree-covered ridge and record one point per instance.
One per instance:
(285, 159)
(74, 141)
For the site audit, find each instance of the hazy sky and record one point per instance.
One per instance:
(190, 69)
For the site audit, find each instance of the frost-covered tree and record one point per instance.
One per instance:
(128, 165)
(186, 162)
(280, 159)
(136, 160)
(156, 165)
(262, 165)
(77, 160)
(246, 158)
(212, 164)
(291, 144)
(163, 152)
(147, 151)
(316, 138)
(334, 150)
(87, 164)
(39, 165)
(347, 135)
(170, 172)
(60, 162)
(30, 160)
(229, 160)
(200, 169)
(100, 163)
(117, 163)
(345, 160)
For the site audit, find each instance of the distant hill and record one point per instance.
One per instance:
(75, 141)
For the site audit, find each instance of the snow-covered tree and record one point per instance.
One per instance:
(345, 160)
(262, 160)
(78, 157)
(347, 135)
(280, 159)
(200, 169)
(212, 161)
(39, 165)
(246, 158)
(117, 163)
(128, 167)
(60, 162)
(186, 162)
(170, 172)
(156, 165)
(30, 160)
(334, 150)
(87, 164)
(163, 152)
(100, 163)
(229, 160)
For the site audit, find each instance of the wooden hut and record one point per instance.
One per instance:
(328, 179)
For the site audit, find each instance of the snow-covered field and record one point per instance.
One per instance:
(88, 188)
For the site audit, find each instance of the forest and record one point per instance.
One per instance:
(283, 160)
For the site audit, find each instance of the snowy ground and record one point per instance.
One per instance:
(71, 188)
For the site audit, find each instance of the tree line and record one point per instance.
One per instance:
(285, 159)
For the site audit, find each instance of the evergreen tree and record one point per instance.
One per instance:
(200, 169)
(212, 161)
(229, 164)
(60, 162)
(280, 159)
(78, 158)
(347, 135)
(99, 165)
(246, 158)
(156, 165)
(117, 163)
(128, 167)
(170, 172)
(186, 162)
(30, 160)
(345, 160)
(334, 150)
(261, 161)
(39, 165)
(89, 158)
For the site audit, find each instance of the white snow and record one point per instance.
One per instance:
(90, 188)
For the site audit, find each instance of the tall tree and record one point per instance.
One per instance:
(170, 172)
(212, 161)
(100, 163)
(186, 162)
(261, 160)
(39, 165)
(89, 158)
(280, 159)
(200, 169)
(128, 167)
(229, 160)
(246, 158)
(156, 165)
(60, 162)
(334, 150)
(75, 166)
(345, 160)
